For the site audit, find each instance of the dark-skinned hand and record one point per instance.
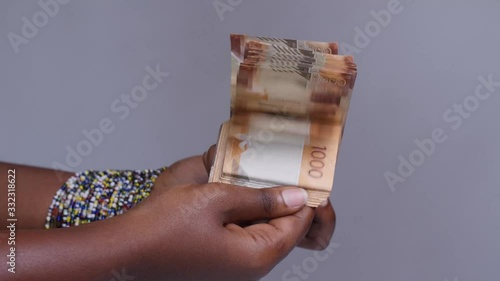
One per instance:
(195, 170)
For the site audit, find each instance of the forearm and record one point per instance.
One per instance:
(96, 251)
(35, 188)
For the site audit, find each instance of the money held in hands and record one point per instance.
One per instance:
(289, 102)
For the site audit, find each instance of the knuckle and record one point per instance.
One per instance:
(214, 191)
(267, 202)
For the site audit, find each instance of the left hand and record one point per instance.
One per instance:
(321, 231)
(195, 170)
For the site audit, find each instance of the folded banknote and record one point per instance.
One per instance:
(289, 103)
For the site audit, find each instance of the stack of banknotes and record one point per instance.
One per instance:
(289, 102)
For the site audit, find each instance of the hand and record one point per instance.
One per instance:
(193, 232)
(195, 170)
(322, 228)
(192, 170)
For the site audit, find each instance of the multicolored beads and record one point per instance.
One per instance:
(96, 195)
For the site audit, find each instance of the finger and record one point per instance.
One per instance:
(295, 226)
(275, 240)
(186, 171)
(243, 204)
(323, 223)
(209, 157)
(322, 228)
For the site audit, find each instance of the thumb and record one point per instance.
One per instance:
(243, 204)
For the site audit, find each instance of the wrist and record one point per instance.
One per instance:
(141, 240)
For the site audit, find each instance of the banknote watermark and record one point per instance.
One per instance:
(224, 6)
(310, 264)
(454, 117)
(121, 108)
(364, 35)
(32, 25)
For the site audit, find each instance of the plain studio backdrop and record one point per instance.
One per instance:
(417, 188)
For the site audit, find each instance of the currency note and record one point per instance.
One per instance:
(289, 103)
(261, 151)
(265, 50)
(293, 91)
(238, 44)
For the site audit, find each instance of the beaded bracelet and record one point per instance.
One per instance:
(96, 195)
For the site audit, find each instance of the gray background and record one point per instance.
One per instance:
(442, 223)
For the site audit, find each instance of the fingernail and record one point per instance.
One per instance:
(324, 203)
(295, 197)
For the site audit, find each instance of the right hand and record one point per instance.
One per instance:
(199, 232)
